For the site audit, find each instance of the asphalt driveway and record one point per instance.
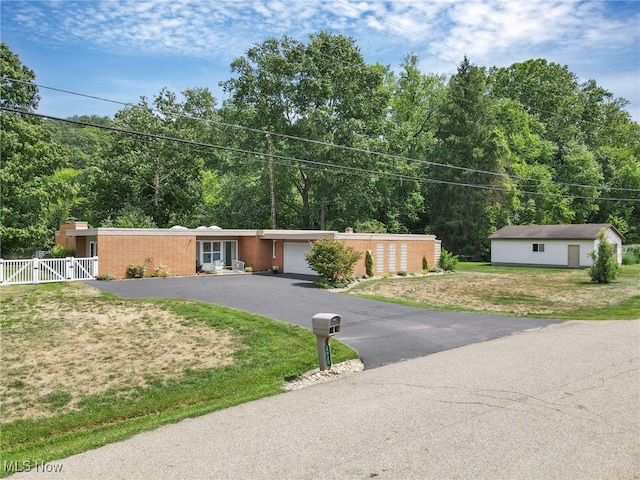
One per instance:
(381, 332)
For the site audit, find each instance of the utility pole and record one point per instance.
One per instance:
(272, 189)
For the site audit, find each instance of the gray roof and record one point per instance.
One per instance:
(587, 231)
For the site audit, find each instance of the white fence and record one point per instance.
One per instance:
(36, 270)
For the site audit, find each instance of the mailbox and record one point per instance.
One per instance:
(326, 324)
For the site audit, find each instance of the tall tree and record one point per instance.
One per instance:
(547, 90)
(465, 140)
(160, 177)
(29, 186)
(17, 90)
(410, 133)
(531, 197)
(591, 131)
(321, 91)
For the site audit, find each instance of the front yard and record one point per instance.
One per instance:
(535, 292)
(81, 368)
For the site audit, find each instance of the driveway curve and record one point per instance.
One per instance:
(381, 332)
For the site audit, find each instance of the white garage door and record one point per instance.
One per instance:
(294, 258)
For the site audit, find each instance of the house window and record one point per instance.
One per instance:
(538, 247)
(206, 253)
(380, 258)
(392, 257)
(274, 248)
(211, 251)
(403, 257)
(93, 249)
(217, 251)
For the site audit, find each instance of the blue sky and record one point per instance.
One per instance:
(122, 49)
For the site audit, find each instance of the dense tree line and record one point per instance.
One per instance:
(335, 142)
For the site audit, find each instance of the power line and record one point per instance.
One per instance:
(315, 162)
(332, 145)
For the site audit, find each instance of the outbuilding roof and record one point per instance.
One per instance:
(586, 231)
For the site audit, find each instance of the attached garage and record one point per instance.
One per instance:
(295, 260)
(181, 250)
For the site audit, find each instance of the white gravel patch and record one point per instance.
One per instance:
(337, 370)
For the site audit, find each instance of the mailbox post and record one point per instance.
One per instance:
(325, 326)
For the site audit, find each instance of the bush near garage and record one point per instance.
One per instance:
(332, 259)
(448, 261)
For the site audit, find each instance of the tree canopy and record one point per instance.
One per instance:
(336, 142)
(30, 190)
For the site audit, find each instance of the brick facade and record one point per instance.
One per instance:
(177, 253)
(397, 254)
(257, 253)
(176, 250)
(67, 241)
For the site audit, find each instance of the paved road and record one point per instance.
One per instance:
(552, 403)
(381, 332)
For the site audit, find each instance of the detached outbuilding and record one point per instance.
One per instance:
(551, 245)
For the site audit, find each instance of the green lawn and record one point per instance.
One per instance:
(534, 292)
(82, 369)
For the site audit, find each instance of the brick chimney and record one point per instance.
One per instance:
(348, 230)
(69, 224)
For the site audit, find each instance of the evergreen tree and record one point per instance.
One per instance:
(605, 266)
(464, 140)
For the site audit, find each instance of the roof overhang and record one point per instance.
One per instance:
(308, 235)
(553, 232)
(161, 232)
(311, 235)
(200, 233)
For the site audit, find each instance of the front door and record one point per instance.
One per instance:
(221, 252)
(574, 256)
(230, 253)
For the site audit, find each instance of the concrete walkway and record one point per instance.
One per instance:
(561, 402)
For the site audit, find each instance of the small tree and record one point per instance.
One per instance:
(58, 251)
(605, 266)
(448, 261)
(368, 264)
(332, 259)
(425, 264)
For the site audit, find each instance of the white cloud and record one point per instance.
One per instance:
(479, 28)
(484, 28)
(588, 33)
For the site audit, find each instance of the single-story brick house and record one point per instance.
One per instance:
(551, 245)
(180, 249)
